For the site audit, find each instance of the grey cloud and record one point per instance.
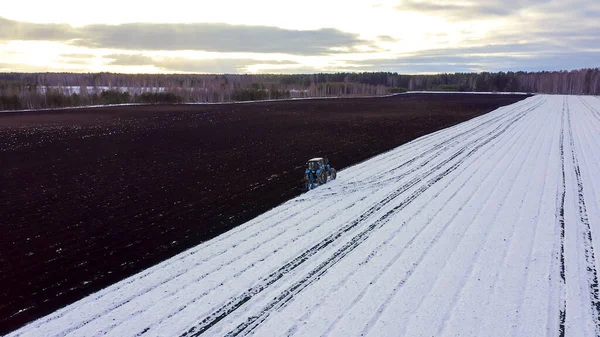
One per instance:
(459, 60)
(540, 37)
(453, 11)
(569, 42)
(217, 37)
(547, 13)
(558, 60)
(14, 30)
(578, 38)
(470, 10)
(490, 49)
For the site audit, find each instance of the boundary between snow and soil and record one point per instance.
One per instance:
(268, 100)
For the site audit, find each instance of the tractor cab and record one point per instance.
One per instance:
(315, 164)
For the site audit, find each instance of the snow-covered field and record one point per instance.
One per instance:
(487, 228)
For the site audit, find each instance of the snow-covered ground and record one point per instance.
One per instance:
(487, 228)
(471, 92)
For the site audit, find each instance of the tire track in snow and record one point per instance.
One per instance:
(517, 328)
(428, 139)
(560, 220)
(173, 292)
(527, 105)
(373, 182)
(591, 163)
(593, 110)
(337, 287)
(470, 129)
(286, 295)
(454, 139)
(414, 265)
(292, 330)
(590, 259)
(157, 321)
(437, 150)
(506, 260)
(470, 268)
(238, 301)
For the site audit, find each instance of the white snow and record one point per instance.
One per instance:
(470, 92)
(459, 232)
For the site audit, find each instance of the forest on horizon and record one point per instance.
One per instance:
(53, 90)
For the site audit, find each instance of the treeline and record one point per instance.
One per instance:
(56, 99)
(50, 90)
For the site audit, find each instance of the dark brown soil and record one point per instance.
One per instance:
(91, 196)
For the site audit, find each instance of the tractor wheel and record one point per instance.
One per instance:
(323, 178)
(333, 173)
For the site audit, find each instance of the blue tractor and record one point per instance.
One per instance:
(317, 172)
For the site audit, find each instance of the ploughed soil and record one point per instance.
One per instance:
(91, 196)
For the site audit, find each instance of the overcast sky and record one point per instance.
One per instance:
(264, 36)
